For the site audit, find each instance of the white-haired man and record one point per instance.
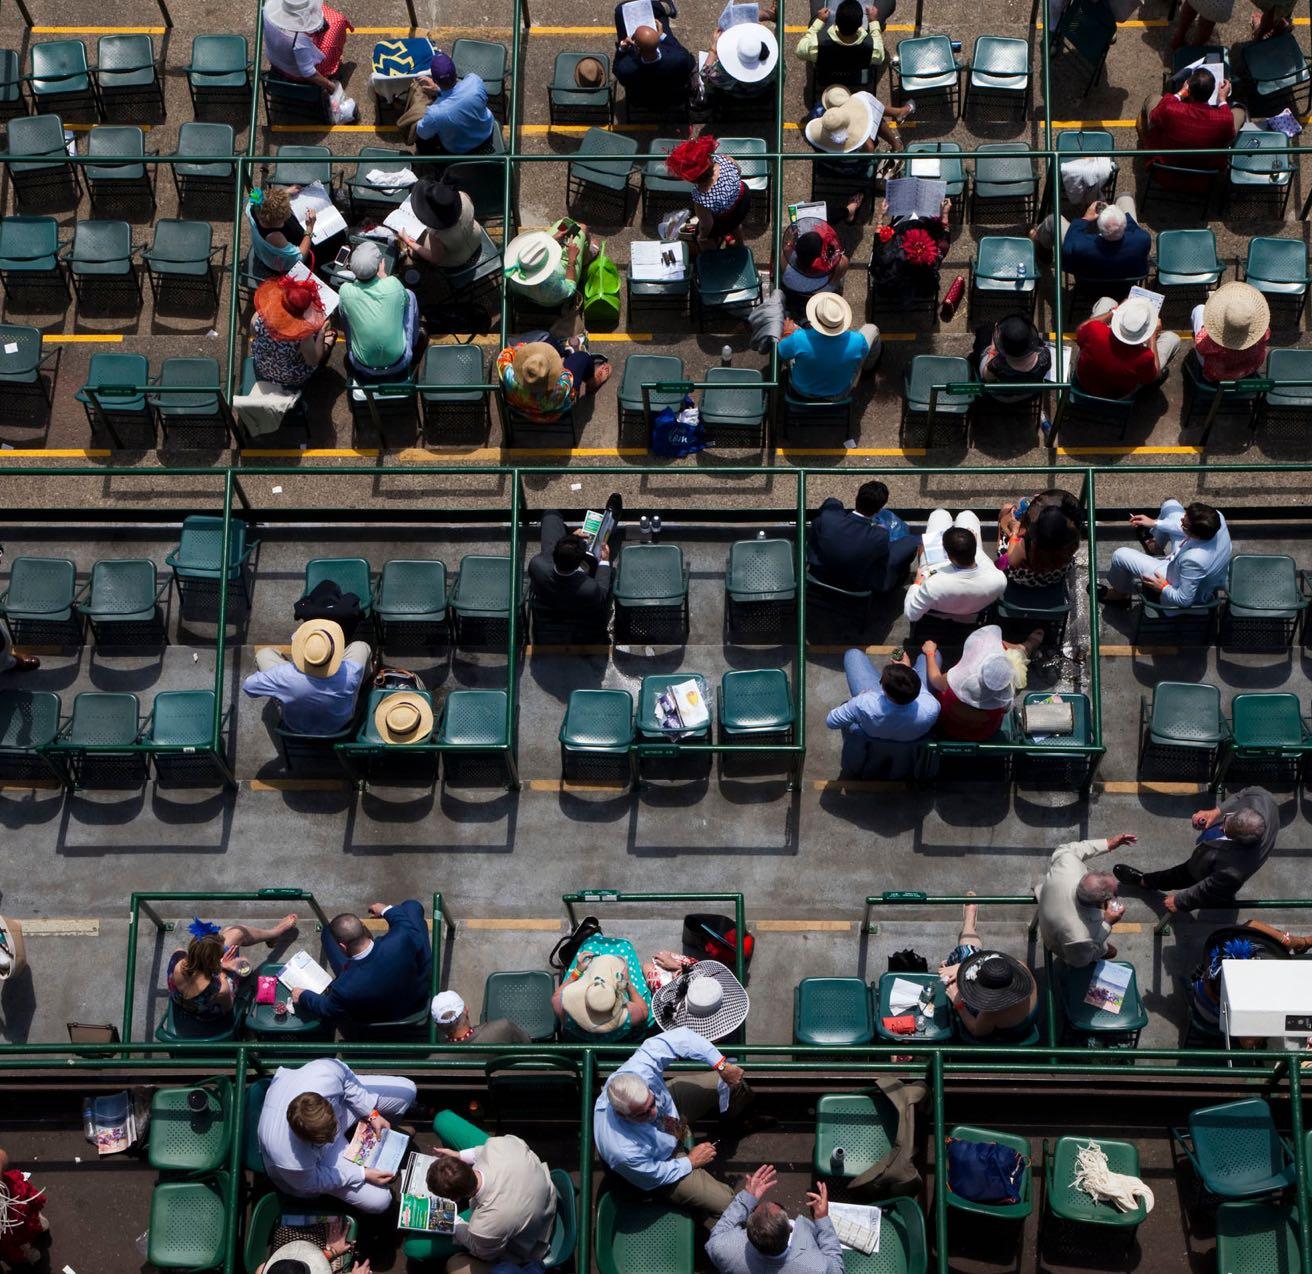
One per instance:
(1077, 907)
(1234, 840)
(641, 1120)
(1107, 245)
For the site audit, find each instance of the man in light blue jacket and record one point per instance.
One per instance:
(640, 1120)
(754, 1235)
(1191, 562)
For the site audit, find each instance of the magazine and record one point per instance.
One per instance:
(1108, 986)
(369, 1150)
(116, 1123)
(1218, 76)
(419, 1209)
(303, 972)
(403, 220)
(327, 220)
(682, 707)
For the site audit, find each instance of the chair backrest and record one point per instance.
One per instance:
(287, 97)
(1088, 27)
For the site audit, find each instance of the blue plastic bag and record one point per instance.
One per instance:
(677, 435)
(896, 528)
(984, 1171)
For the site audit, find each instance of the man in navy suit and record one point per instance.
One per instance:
(374, 981)
(850, 548)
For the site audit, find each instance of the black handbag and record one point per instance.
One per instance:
(908, 960)
(563, 953)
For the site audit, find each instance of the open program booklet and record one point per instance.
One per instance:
(419, 1209)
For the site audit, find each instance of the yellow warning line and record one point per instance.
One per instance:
(298, 785)
(1130, 451)
(800, 453)
(1130, 787)
(61, 927)
(556, 785)
(359, 453)
(84, 338)
(97, 31)
(1128, 652)
(86, 128)
(535, 924)
(814, 649)
(808, 926)
(326, 128)
(56, 453)
(1093, 123)
(540, 130)
(31, 785)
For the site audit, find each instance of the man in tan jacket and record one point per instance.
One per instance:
(511, 1202)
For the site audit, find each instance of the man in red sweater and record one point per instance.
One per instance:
(1183, 120)
(1122, 349)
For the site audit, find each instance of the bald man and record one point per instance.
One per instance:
(655, 69)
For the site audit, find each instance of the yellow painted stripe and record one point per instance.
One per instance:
(97, 31)
(298, 785)
(1093, 123)
(1130, 451)
(326, 128)
(1129, 787)
(537, 924)
(801, 453)
(86, 128)
(359, 453)
(61, 927)
(1128, 652)
(555, 785)
(84, 338)
(57, 453)
(1129, 926)
(806, 926)
(540, 130)
(32, 785)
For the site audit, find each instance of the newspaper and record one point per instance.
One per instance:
(419, 1209)
(736, 14)
(927, 166)
(1155, 299)
(116, 1123)
(857, 1226)
(638, 13)
(1108, 986)
(327, 220)
(915, 196)
(1218, 76)
(654, 262)
(370, 1150)
(304, 972)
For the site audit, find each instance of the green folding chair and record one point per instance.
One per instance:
(39, 602)
(1003, 182)
(29, 721)
(951, 170)
(596, 737)
(1181, 732)
(1256, 175)
(1087, 1026)
(902, 1245)
(667, 763)
(661, 193)
(180, 736)
(1278, 69)
(302, 166)
(1080, 140)
(179, 266)
(1265, 601)
(1236, 1151)
(639, 1236)
(1011, 1212)
(29, 256)
(726, 285)
(201, 413)
(185, 1139)
(476, 719)
(648, 369)
(116, 183)
(1071, 1217)
(350, 574)
(1257, 1238)
(369, 759)
(264, 1220)
(926, 69)
(832, 1011)
(95, 747)
(999, 71)
(525, 999)
(1187, 265)
(11, 85)
(121, 602)
(188, 1224)
(921, 408)
(567, 103)
(488, 61)
(100, 263)
(760, 590)
(60, 79)
(1269, 742)
(411, 605)
(733, 406)
(127, 76)
(755, 706)
(1278, 269)
(48, 180)
(455, 414)
(861, 1125)
(602, 170)
(934, 1029)
(1085, 32)
(1004, 274)
(367, 199)
(197, 562)
(1285, 403)
(203, 177)
(565, 1231)
(480, 600)
(651, 594)
(219, 73)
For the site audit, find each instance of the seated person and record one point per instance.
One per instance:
(562, 578)
(303, 1256)
(381, 316)
(320, 682)
(1252, 940)
(278, 238)
(452, 1018)
(453, 236)
(1122, 349)
(655, 70)
(955, 577)
(542, 380)
(826, 359)
(200, 976)
(754, 1234)
(309, 1116)
(379, 980)
(1002, 995)
(852, 44)
(854, 548)
(1036, 552)
(290, 336)
(1106, 244)
(1191, 544)
(546, 267)
(720, 197)
(603, 997)
(507, 1204)
(814, 261)
(1231, 333)
(895, 706)
(979, 689)
(907, 253)
(447, 113)
(1012, 350)
(304, 41)
(742, 59)
(1185, 120)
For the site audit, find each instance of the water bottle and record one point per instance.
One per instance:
(837, 1160)
(644, 528)
(655, 526)
(1045, 429)
(726, 356)
(1020, 274)
(760, 535)
(88, 1119)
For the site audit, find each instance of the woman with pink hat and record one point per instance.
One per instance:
(304, 41)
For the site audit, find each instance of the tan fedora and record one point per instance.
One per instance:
(589, 73)
(829, 314)
(597, 998)
(404, 716)
(537, 364)
(318, 646)
(1236, 316)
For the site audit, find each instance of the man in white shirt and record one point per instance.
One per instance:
(1077, 907)
(309, 1116)
(956, 577)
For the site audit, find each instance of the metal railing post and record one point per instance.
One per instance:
(232, 1201)
(940, 1167)
(1300, 1154)
(586, 1099)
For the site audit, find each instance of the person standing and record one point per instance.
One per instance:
(1234, 840)
(1077, 908)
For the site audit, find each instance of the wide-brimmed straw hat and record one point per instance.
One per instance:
(829, 314)
(748, 52)
(986, 676)
(992, 981)
(1236, 316)
(537, 363)
(308, 1254)
(841, 128)
(1133, 321)
(294, 15)
(318, 646)
(532, 257)
(597, 998)
(404, 716)
(707, 998)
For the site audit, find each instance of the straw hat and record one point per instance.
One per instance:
(829, 314)
(532, 257)
(748, 52)
(707, 998)
(1236, 316)
(597, 998)
(404, 716)
(835, 95)
(318, 646)
(841, 129)
(294, 15)
(308, 1254)
(536, 364)
(986, 676)
(993, 980)
(1133, 321)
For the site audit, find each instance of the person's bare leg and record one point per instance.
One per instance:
(249, 935)
(854, 206)
(969, 935)
(1030, 645)
(890, 136)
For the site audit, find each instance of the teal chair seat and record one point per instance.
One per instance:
(1252, 164)
(183, 1140)
(1264, 586)
(116, 372)
(653, 687)
(199, 555)
(1186, 713)
(252, 1156)
(123, 590)
(761, 571)
(1001, 1211)
(650, 369)
(755, 701)
(59, 67)
(1267, 720)
(369, 730)
(482, 587)
(566, 97)
(29, 719)
(101, 248)
(656, 177)
(1257, 1238)
(651, 575)
(733, 398)
(412, 591)
(181, 718)
(1276, 65)
(1187, 259)
(218, 62)
(749, 152)
(927, 63)
(1005, 264)
(726, 276)
(181, 248)
(604, 159)
(302, 166)
(29, 245)
(524, 998)
(951, 167)
(927, 370)
(197, 141)
(832, 1011)
(102, 718)
(643, 1237)
(1289, 365)
(452, 365)
(936, 1029)
(565, 1231)
(1000, 64)
(350, 574)
(192, 378)
(475, 717)
(1236, 1151)
(188, 1224)
(40, 589)
(902, 1245)
(598, 721)
(1070, 1204)
(1090, 1020)
(862, 1125)
(125, 62)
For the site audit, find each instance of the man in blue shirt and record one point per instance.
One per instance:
(895, 706)
(1106, 245)
(640, 1120)
(827, 358)
(458, 119)
(320, 683)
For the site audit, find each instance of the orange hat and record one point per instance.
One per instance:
(289, 307)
